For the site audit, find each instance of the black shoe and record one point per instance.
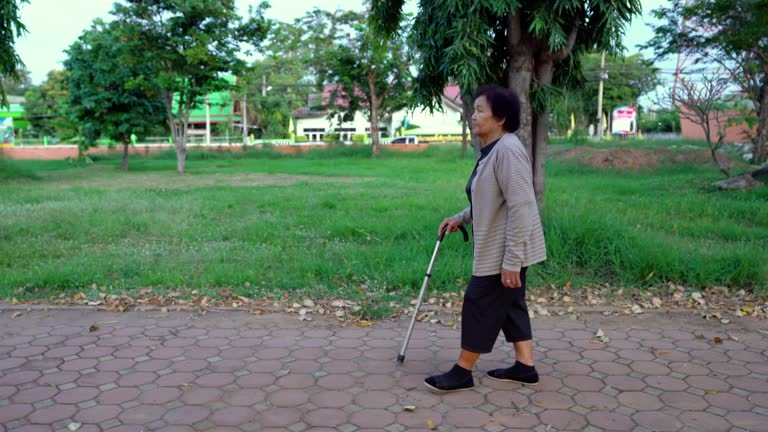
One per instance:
(451, 381)
(519, 373)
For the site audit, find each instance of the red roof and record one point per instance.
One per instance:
(453, 92)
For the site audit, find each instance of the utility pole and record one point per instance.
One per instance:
(244, 121)
(207, 120)
(600, 98)
(263, 85)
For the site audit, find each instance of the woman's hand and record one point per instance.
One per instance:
(510, 279)
(451, 224)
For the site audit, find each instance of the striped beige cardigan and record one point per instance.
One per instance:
(505, 218)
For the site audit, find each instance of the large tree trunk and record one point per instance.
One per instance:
(179, 137)
(178, 126)
(124, 161)
(468, 105)
(519, 72)
(180, 144)
(540, 132)
(375, 107)
(464, 123)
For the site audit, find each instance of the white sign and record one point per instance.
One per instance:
(624, 121)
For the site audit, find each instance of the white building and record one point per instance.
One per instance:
(313, 122)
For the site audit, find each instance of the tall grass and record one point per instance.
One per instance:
(12, 170)
(343, 224)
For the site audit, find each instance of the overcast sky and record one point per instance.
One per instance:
(54, 25)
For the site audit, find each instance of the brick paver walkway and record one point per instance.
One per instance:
(231, 371)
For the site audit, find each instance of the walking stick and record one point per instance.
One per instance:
(401, 356)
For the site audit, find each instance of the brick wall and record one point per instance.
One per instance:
(733, 134)
(64, 152)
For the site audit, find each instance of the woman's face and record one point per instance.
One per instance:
(484, 124)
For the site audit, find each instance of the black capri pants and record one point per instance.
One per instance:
(490, 307)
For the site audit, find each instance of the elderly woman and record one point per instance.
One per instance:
(508, 238)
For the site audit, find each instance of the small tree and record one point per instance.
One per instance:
(11, 28)
(46, 107)
(704, 103)
(730, 33)
(193, 43)
(112, 92)
(368, 73)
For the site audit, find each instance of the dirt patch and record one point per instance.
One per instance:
(168, 180)
(699, 157)
(623, 158)
(636, 158)
(572, 153)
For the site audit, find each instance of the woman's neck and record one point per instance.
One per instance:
(485, 140)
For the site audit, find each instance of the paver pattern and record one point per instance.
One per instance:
(232, 371)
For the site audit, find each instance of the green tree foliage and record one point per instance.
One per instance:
(532, 47)
(628, 78)
(16, 85)
(46, 107)
(294, 60)
(367, 73)
(731, 33)
(11, 28)
(194, 43)
(112, 89)
(660, 121)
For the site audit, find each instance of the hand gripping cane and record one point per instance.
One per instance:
(401, 356)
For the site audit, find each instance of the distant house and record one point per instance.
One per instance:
(15, 110)
(223, 110)
(314, 123)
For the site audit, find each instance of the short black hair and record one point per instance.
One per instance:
(504, 104)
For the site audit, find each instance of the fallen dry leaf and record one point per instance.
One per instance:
(93, 328)
(717, 340)
(430, 424)
(17, 314)
(409, 408)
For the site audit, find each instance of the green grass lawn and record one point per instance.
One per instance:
(335, 223)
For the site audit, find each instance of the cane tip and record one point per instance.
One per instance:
(400, 358)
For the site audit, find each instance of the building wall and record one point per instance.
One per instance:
(321, 126)
(733, 134)
(446, 122)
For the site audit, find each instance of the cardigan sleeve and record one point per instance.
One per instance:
(513, 172)
(464, 217)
